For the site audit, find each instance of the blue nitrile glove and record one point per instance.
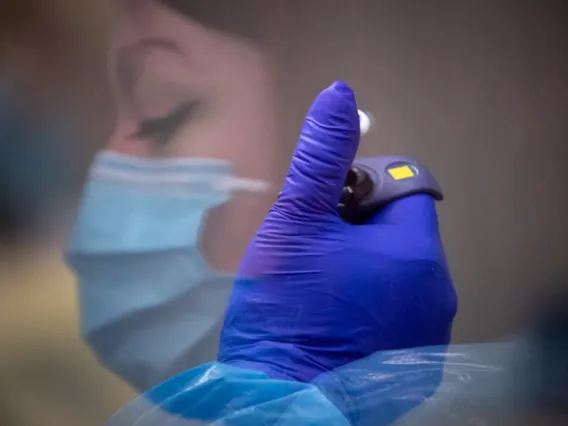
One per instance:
(313, 292)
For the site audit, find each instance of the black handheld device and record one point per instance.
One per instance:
(372, 183)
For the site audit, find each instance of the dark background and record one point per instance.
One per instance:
(478, 90)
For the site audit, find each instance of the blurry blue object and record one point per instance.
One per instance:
(461, 382)
(223, 395)
(480, 380)
(35, 148)
(314, 293)
(151, 306)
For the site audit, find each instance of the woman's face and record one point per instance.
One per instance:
(184, 90)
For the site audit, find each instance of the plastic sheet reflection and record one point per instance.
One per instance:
(400, 387)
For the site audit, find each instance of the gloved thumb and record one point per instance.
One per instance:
(326, 148)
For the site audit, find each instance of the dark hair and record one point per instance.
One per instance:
(243, 18)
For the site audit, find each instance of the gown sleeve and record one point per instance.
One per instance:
(218, 394)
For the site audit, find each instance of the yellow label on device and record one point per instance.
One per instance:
(401, 172)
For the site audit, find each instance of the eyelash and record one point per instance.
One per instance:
(162, 129)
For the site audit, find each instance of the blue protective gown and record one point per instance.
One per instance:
(395, 386)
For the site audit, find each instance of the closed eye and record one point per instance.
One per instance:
(162, 129)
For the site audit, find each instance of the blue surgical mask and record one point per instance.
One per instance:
(150, 304)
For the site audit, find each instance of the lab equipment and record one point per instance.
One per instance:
(365, 121)
(372, 183)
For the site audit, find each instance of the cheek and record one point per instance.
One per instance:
(207, 137)
(122, 141)
(229, 228)
(128, 147)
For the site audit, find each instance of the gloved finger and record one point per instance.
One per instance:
(416, 212)
(326, 148)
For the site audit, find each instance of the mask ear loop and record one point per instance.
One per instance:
(211, 182)
(243, 185)
(132, 160)
(259, 186)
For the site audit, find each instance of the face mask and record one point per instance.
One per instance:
(150, 304)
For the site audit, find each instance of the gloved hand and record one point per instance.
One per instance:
(313, 292)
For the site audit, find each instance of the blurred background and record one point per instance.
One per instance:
(478, 91)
